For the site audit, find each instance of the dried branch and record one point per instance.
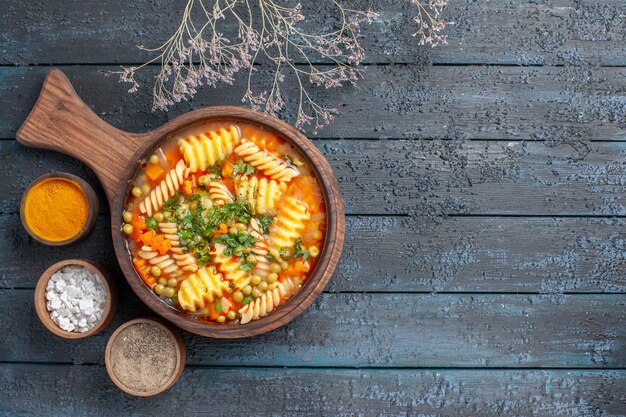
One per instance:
(199, 54)
(430, 23)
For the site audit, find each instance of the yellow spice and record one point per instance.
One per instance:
(56, 209)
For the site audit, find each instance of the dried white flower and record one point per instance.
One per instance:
(430, 24)
(198, 54)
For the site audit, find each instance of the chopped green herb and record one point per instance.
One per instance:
(270, 257)
(215, 170)
(246, 300)
(195, 197)
(247, 266)
(299, 252)
(152, 223)
(265, 222)
(283, 253)
(171, 204)
(241, 167)
(218, 305)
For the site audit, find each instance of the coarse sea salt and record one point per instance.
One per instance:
(76, 298)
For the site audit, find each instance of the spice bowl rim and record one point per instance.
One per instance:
(179, 347)
(93, 207)
(40, 298)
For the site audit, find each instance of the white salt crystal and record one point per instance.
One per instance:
(76, 298)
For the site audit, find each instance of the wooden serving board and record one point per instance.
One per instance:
(62, 122)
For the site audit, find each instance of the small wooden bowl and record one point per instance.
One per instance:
(44, 315)
(179, 346)
(93, 206)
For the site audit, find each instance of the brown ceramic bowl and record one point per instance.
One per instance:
(179, 347)
(44, 315)
(92, 206)
(61, 121)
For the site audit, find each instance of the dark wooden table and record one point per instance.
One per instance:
(485, 266)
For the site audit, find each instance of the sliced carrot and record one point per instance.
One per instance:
(154, 172)
(157, 241)
(144, 272)
(165, 246)
(146, 238)
(223, 228)
(187, 188)
(227, 170)
(213, 312)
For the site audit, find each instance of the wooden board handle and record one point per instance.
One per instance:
(62, 122)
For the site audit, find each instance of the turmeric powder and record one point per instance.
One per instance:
(56, 209)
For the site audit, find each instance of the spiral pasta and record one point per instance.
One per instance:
(261, 194)
(207, 148)
(201, 288)
(165, 262)
(185, 261)
(165, 189)
(267, 302)
(266, 162)
(220, 194)
(229, 266)
(290, 220)
(262, 265)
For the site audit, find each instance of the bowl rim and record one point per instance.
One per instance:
(328, 258)
(40, 298)
(179, 346)
(93, 208)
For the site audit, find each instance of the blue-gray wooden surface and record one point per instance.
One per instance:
(484, 271)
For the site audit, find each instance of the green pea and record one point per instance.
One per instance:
(314, 251)
(154, 159)
(127, 229)
(238, 296)
(169, 292)
(274, 267)
(271, 286)
(221, 319)
(136, 191)
(255, 280)
(172, 282)
(158, 289)
(247, 290)
(127, 216)
(162, 281)
(204, 180)
(155, 271)
(272, 277)
(145, 188)
(231, 315)
(255, 293)
(158, 217)
(262, 286)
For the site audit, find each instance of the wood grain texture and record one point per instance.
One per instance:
(424, 177)
(570, 105)
(461, 254)
(381, 330)
(307, 392)
(494, 32)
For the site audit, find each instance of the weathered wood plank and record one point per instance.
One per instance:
(464, 254)
(570, 105)
(41, 390)
(497, 32)
(382, 330)
(422, 177)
